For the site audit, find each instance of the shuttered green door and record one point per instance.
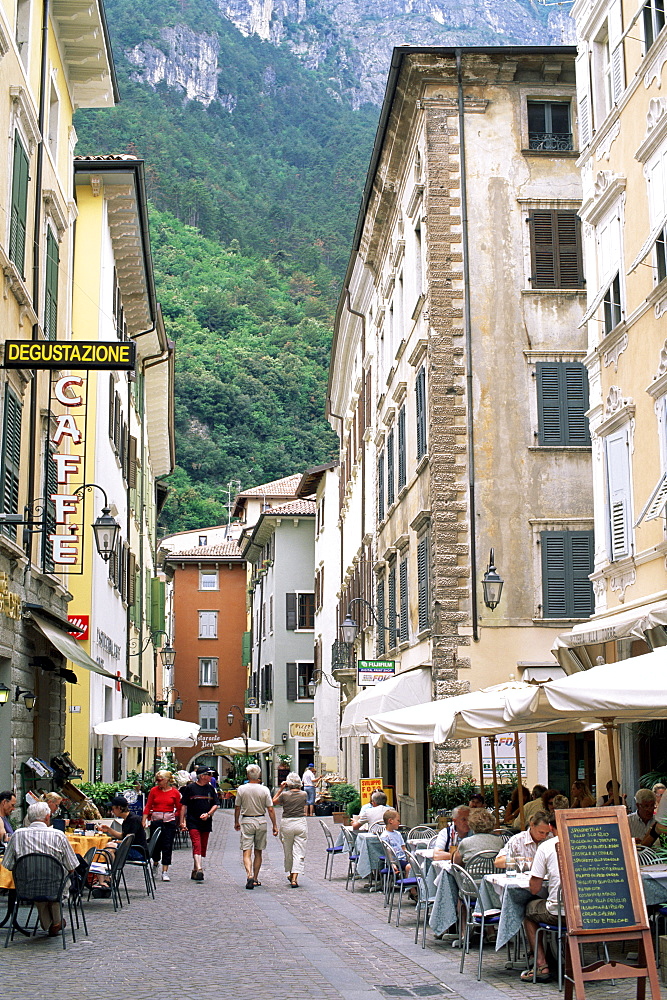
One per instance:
(562, 402)
(157, 604)
(567, 561)
(19, 205)
(51, 291)
(11, 459)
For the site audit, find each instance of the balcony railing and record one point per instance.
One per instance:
(560, 141)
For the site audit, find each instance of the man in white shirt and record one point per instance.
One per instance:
(451, 836)
(643, 818)
(40, 838)
(372, 812)
(309, 782)
(526, 843)
(545, 865)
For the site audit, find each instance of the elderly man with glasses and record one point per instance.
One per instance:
(7, 807)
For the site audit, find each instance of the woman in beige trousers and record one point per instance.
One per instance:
(293, 826)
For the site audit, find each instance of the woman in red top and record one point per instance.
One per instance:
(162, 809)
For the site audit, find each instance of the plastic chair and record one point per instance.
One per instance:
(425, 901)
(38, 878)
(112, 867)
(331, 850)
(352, 857)
(145, 862)
(468, 895)
(396, 880)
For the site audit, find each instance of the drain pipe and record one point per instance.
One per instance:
(362, 317)
(467, 327)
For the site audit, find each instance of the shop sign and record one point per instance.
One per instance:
(208, 741)
(87, 355)
(505, 756)
(108, 645)
(10, 603)
(82, 622)
(302, 730)
(366, 788)
(265, 736)
(371, 672)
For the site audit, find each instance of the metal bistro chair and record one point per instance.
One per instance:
(352, 856)
(113, 866)
(420, 833)
(557, 933)
(425, 901)
(468, 890)
(331, 850)
(377, 829)
(146, 861)
(481, 864)
(38, 878)
(647, 856)
(396, 880)
(381, 871)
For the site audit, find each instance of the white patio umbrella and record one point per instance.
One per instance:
(132, 731)
(631, 690)
(239, 745)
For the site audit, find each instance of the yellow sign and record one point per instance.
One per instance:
(10, 603)
(70, 354)
(302, 730)
(366, 788)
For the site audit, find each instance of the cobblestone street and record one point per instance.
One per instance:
(216, 940)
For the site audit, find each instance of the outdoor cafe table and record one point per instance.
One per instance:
(369, 848)
(82, 843)
(444, 911)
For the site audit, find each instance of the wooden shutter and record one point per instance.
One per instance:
(617, 450)
(555, 249)
(132, 463)
(403, 600)
(567, 561)
(291, 620)
(380, 486)
(543, 258)
(553, 574)
(11, 458)
(615, 23)
(290, 674)
(19, 205)
(568, 250)
(391, 605)
(245, 649)
(112, 407)
(50, 488)
(51, 287)
(550, 419)
(584, 96)
(562, 402)
(132, 581)
(402, 475)
(157, 603)
(581, 556)
(420, 395)
(269, 682)
(390, 469)
(576, 404)
(380, 616)
(422, 582)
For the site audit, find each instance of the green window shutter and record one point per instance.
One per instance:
(420, 396)
(11, 459)
(576, 404)
(542, 250)
(422, 582)
(555, 249)
(380, 486)
(562, 402)
(51, 291)
(550, 415)
(402, 475)
(392, 608)
(291, 621)
(567, 561)
(390, 469)
(404, 627)
(290, 673)
(157, 604)
(569, 259)
(148, 610)
(19, 205)
(245, 649)
(380, 615)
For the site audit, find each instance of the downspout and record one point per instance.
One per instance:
(37, 249)
(467, 329)
(362, 317)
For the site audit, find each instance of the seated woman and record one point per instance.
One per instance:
(482, 838)
(581, 796)
(130, 824)
(512, 809)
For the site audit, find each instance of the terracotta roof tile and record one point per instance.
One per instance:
(229, 548)
(278, 488)
(293, 507)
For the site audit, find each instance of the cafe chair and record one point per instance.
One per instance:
(352, 856)
(331, 850)
(473, 921)
(647, 856)
(145, 862)
(377, 829)
(396, 881)
(38, 878)
(481, 864)
(420, 833)
(425, 900)
(112, 867)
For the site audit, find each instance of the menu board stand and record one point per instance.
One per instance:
(603, 898)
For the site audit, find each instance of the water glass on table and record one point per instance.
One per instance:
(511, 866)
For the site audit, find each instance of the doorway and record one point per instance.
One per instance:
(304, 756)
(570, 757)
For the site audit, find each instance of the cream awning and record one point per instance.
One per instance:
(627, 623)
(410, 687)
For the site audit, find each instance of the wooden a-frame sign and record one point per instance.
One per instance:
(603, 898)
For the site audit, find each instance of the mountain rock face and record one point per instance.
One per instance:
(352, 40)
(190, 62)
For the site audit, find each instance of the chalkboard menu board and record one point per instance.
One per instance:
(600, 876)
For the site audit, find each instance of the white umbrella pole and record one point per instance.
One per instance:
(496, 806)
(481, 764)
(610, 726)
(519, 780)
(143, 762)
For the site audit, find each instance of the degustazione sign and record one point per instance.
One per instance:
(110, 355)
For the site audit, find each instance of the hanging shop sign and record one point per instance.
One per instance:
(81, 622)
(302, 730)
(371, 672)
(111, 356)
(10, 602)
(505, 745)
(68, 423)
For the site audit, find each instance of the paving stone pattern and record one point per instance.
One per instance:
(217, 940)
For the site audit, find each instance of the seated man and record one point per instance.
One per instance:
(372, 812)
(129, 824)
(545, 865)
(525, 843)
(532, 806)
(642, 820)
(7, 807)
(451, 836)
(39, 837)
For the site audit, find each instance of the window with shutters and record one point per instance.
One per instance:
(567, 562)
(51, 287)
(208, 579)
(380, 602)
(271, 613)
(291, 681)
(245, 649)
(403, 605)
(619, 494)
(613, 310)
(391, 607)
(208, 671)
(19, 205)
(661, 256)
(422, 583)
(380, 486)
(208, 624)
(562, 402)
(132, 589)
(208, 716)
(401, 456)
(50, 488)
(420, 411)
(653, 18)
(555, 249)
(11, 458)
(391, 491)
(132, 463)
(22, 33)
(549, 125)
(305, 675)
(306, 610)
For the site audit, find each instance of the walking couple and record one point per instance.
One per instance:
(252, 801)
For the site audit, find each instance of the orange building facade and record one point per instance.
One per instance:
(209, 620)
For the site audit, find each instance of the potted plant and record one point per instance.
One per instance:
(342, 794)
(284, 765)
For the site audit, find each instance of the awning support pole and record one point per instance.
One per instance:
(519, 781)
(143, 763)
(481, 764)
(496, 806)
(610, 726)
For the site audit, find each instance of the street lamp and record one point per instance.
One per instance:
(244, 723)
(492, 585)
(105, 528)
(349, 628)
(4, 694)
(168, 655)
(28, 697)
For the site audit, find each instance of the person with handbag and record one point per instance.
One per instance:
(162, 810)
